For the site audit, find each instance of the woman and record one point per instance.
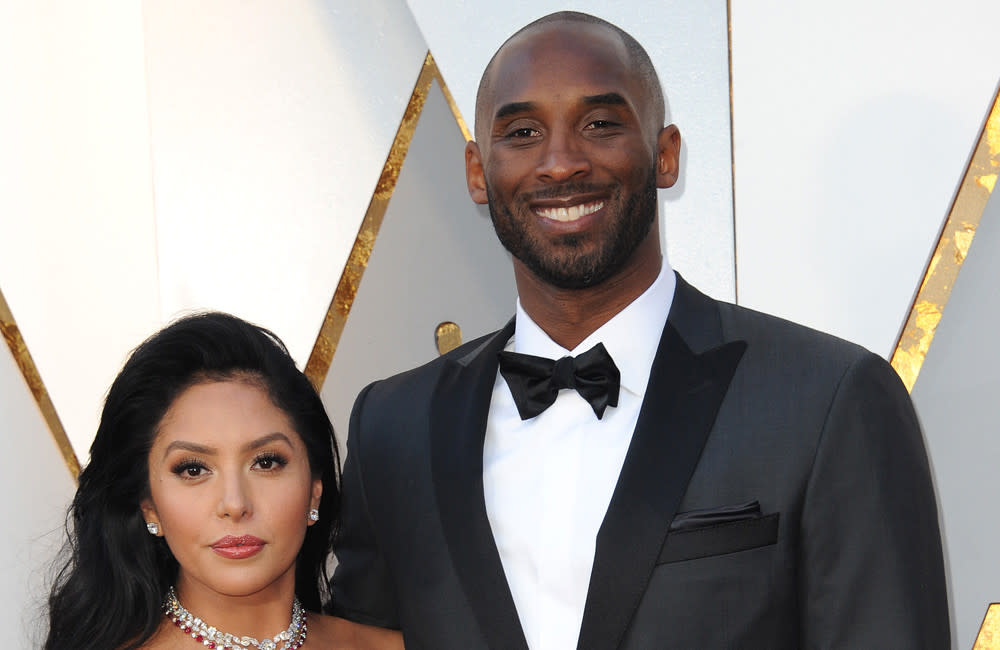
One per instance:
(206, 512)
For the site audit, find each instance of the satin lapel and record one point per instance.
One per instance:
(458, 428)
(682, 400)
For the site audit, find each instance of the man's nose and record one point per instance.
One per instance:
(562, 158)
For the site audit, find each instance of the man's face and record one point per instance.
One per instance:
(568, 156)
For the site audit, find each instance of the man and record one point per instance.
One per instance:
(726, 480)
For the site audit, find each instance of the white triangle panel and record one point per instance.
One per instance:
(270, 125)
(36, 489)
(955, 395)
(853, 124)
(435, 259)
(77, 237)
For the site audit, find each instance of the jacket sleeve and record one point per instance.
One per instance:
(362, 589)
(871, 572)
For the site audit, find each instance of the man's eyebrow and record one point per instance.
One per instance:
(605, 99)
(513, 109)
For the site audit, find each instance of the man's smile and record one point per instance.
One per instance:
(570, 212)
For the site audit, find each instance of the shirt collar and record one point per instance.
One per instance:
(631, 337)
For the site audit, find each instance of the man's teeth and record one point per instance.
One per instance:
(572, 213)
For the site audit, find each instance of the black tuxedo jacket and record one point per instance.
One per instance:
(776, 494)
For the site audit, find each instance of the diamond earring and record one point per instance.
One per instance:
(153, 527)
(314, 515)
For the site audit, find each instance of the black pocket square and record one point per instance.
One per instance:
(717, 531)
(709, 516)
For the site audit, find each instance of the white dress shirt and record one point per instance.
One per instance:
(548, 480)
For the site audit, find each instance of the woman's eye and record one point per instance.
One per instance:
(268, 462)
(190, 470)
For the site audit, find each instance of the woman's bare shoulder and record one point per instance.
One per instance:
(340, 634)
(163, 639)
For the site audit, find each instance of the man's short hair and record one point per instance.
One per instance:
(639, 58)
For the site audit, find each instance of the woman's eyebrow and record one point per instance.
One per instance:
(194, 447)
(189, 446)
(267, 439)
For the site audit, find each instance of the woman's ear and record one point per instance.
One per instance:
(317, 493)
(150, 515)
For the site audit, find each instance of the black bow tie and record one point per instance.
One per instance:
(536, 381)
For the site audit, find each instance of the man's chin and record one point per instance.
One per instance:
(569, 276)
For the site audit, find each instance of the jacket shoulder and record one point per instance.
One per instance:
(427, 373)
(783, 338)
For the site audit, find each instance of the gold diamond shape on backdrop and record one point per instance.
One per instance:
(326, 343)
(323, 350)
(989, 633)
(953, 245)
(12, 335)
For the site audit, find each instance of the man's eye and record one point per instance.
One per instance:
(601, 124)
(522, 133)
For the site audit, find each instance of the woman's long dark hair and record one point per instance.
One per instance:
(109, 592)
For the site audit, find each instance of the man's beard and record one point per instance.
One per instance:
(570, 267)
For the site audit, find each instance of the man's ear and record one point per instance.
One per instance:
(474, 176)
(668, 153)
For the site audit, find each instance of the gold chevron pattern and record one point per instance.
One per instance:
(318, 365)
(949, 253)
(12, 335)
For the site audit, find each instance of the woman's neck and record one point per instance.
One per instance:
(261, 615)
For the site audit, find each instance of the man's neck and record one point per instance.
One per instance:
(568, 316)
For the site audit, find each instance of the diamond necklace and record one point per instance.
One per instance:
(212, 638)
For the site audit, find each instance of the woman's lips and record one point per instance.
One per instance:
(238, 548)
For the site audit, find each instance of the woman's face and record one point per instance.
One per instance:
(230, 489)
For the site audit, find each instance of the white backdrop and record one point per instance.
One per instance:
(78, 253)
(171, 155)
(956, 397)
(36, 489)
(853, 125)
